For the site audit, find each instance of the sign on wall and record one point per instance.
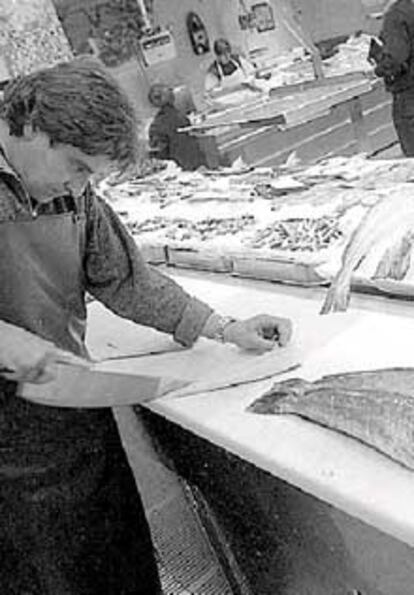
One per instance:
(158, 47)
(263, 17)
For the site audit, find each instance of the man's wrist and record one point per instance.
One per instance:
(220, 335)
(216, 327)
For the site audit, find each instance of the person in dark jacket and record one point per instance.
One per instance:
(72, 522)
(395, 64)
(165, 138)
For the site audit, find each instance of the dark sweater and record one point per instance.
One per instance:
(168, 143)
(396, 64)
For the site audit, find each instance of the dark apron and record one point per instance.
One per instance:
(71, 520)
(403, 118)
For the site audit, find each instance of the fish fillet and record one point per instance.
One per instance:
(375, 407)
(389, 216)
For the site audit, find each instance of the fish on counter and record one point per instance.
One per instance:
(390, 220)
(298, 235)
(376, 407)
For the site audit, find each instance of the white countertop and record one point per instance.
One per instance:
(341, 471)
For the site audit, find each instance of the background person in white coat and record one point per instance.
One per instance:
(229, 70)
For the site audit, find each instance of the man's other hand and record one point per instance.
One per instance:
(25, 357)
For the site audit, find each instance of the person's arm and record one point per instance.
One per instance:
(211, 83)
(396, 48)
(117, 276)
(250, 73)
(247, 67)
(260, 333)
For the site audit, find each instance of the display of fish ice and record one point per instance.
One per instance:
(375, 407)
(389, 220)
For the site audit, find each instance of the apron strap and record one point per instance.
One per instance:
(220, 71)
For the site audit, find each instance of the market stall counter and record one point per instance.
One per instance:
(368, 495)
(336, 116)
(341, 110)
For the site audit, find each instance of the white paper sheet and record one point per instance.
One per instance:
(207, 365)
(111, 336)
(210, 365)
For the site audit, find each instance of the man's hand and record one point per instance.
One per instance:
(25, 357)
(260, 333)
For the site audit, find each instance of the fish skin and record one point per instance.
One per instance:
(374, 407)
(400, 380)
(396, 260)
(388, 214)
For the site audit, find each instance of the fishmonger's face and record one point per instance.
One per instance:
(51, 171)
(224, 57)
(161, 95)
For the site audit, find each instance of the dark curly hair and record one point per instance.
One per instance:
(75, 103)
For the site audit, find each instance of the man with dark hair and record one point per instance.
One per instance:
(166, 139)
(395, 63)
(72, 520)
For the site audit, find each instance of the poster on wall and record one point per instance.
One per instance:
(263, 17)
